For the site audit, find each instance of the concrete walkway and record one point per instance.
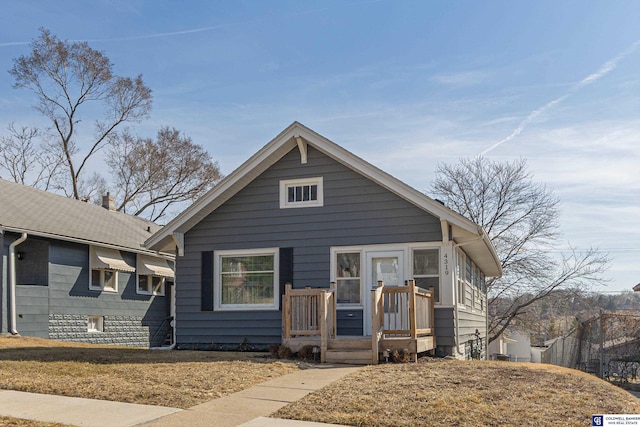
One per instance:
(248, 408)
(259, 401)
(77, 411)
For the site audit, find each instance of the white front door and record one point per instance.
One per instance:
(385, 266)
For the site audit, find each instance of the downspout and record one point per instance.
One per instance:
(12, 283)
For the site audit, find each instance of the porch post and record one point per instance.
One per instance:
(412, 308)
(323, 326)
(286, 312)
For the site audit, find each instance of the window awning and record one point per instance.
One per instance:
(109, 259)
(154, 266)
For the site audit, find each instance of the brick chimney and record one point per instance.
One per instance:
(108, 202)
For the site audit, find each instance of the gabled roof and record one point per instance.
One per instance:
(35, 212)
(475, 240)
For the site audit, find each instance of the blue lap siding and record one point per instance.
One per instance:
(53, 299)
(356, 211)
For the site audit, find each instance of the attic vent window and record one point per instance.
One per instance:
(300, 193)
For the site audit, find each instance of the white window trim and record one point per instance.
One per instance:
(407, 248)
(150, 281)
(217, 280)
(99, 322)
(413, 275)
(351, 250)
(460, 270)
(478, 297)
(286, 183)
(100, 286)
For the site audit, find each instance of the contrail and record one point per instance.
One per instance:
(591, 78)
(183, 32)
(145, 36)
(5, 44)
(199, 30)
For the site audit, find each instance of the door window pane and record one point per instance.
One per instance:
(386, 270)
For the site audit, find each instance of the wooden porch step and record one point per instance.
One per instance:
(349, 343)
(350, 357)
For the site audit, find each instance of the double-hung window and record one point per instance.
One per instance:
(460, 277)
(246, 279)
(348, 278)
(426, 270)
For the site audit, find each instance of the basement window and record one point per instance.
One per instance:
(95, 324)
(301, 193)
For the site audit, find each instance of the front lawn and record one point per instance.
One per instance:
(433, 392)
(179, 379)
(436, 392)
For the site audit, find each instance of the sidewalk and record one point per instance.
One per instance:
(258, 401)
(77, 411)
(248, 408)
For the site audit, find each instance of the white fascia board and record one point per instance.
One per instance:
(278, 147)
(389, 182)
(226, 188)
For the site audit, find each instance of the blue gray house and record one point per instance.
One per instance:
(306, 244)
(77, 271)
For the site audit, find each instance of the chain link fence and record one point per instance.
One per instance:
(607, 346)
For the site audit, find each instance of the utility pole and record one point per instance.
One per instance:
(601, 344)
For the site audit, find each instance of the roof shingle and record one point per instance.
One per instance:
(27, 209)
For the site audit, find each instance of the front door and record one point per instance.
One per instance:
(385, 266)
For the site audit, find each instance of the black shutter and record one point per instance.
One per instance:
(286, 269)
(206, 281)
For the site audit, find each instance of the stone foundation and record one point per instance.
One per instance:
(130, 331)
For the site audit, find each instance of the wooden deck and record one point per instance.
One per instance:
(402, 319)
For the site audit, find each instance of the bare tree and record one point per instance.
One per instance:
(151, 176)
(521, 218)
(27, 157)
(71, 82)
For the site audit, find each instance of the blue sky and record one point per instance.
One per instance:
(404, 84)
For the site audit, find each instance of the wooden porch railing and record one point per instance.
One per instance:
(405, 312)
(402, 311)
(310, 312)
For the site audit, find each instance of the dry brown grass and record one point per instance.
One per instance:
(179, 379)
(459, 393)
(17, 422)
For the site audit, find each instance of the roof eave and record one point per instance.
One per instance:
(226, 188)
(278, 147)
(37, 233)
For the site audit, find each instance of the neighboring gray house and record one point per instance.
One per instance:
(305, 211)
(76, 271)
